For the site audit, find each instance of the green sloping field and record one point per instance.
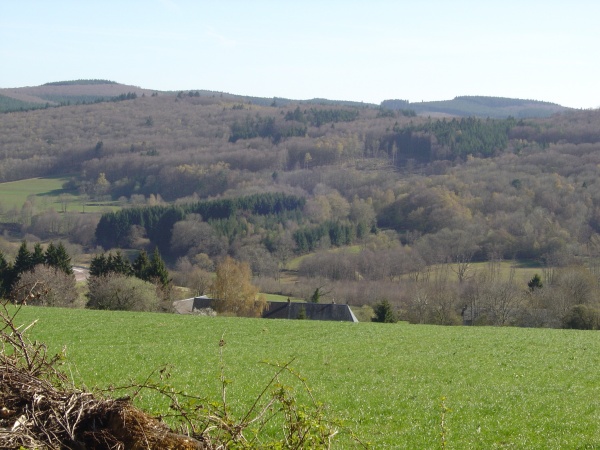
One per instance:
(503, 387)
(47, 193)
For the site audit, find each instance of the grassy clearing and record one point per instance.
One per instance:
(504, 387)
(278, 298)
(15, 193)
(523, 270)
(48, 193)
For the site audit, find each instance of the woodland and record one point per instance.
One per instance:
(372, 203)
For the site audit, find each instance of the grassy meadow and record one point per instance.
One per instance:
(502, 387)
(47, 193)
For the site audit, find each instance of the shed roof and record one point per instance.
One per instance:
(280, 310)
(312, 311)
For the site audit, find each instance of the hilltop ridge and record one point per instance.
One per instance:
(96, 90)
(480, 106)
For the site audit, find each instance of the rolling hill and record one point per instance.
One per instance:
(479, 106)
(92, 91)
(410, 191)
(64, 93)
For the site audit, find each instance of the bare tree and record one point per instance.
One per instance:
(193, 236)
(47, 286)
(503, 298)
(262, 263)
(284, 250)
(443, 301)
(418, 303)
(455, 247)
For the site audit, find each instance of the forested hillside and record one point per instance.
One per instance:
(63, 93)
(401, 194)
(478, 106)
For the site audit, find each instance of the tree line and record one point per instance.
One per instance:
(158, 221)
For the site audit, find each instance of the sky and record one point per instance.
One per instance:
(366, 51)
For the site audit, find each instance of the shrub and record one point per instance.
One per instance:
(582, 317)
(119, 292)
(384, 313)
(364, 314)
(46, 286)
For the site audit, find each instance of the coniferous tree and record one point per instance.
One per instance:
(103, 265)
(23, 260)
(98, 266)
(51, 257)
(158, 270)
(23, 263)
(384, 313)
(37, 257)
(57, 257)
(119, 264)
(63, 260)
(535, 283)
(141, 265)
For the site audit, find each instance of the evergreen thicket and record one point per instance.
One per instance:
(55, 256)
(158, 221)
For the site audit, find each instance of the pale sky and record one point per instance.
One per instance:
(368, 50)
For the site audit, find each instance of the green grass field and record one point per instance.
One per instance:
(504, 387)
(47, 192)
(15, 193)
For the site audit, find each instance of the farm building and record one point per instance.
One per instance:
(277, 310)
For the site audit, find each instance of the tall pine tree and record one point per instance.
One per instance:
(37, 257)
(158, 270)
(63, 260)
(103, 265)
(141, 265)
(23, 260)
(58, 258)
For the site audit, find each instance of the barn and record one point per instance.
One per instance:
(277, 310)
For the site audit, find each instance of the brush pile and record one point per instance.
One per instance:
(41, 409)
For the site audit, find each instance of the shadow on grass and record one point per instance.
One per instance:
(527, 264)
(57, 193)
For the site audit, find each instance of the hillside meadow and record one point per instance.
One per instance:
(390, 384)
(46, 193)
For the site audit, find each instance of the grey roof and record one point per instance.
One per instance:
(312, 311)
(185, 306)
(279, 310)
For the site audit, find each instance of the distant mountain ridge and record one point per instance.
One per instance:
(480, 106)
(79, 82)
(91, 91)
(64, 92)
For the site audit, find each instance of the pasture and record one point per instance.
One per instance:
(501, 387)
(46, 193)
(15, 193)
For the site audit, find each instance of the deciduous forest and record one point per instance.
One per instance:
(381, 202)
